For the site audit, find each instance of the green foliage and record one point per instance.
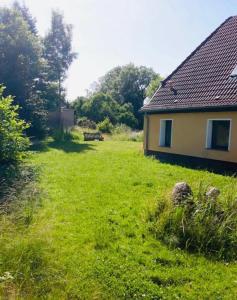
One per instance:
(97, 108)
(105, 126)
(22, 66)
(78, 106)
(101, 106)
(153, 86)
(37, 116)
(39, 65)
(13, 143)
(25, 13)
(127, 84)
(86, 123)
(126, 116)
(58, 50)
(119, 96)
(200, 224)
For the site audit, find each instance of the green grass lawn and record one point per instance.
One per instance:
(90, 236)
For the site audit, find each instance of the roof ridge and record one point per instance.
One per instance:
(194, 51)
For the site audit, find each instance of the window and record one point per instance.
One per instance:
(234, 72)
(165, 133)
(218, 134)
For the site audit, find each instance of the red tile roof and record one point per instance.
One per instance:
(202, 81)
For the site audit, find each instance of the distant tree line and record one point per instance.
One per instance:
(119, 95)
(33, 68)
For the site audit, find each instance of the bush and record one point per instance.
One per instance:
(128, 118)
(13, 142)
(200, 224)
(105, 126)
(86, 123)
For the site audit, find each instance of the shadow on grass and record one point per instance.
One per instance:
(201, 164)
(14, 178)
(66, 146)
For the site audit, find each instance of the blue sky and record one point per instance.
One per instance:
(154, 33)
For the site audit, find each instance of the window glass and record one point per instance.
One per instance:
(220, 134)
(165, 133)
(234, 72)
(168, 127)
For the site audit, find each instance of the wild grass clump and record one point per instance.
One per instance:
(122, 132)
(200, 224)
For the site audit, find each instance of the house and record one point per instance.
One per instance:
(192, 117)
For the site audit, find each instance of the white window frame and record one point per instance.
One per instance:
(209, 133)
(162, 133)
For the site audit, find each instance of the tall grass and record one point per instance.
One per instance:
(201, 224)
(124, 133)
(21, 256)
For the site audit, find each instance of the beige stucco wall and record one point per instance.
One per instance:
(189, 134)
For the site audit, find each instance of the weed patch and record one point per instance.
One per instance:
(200, 224)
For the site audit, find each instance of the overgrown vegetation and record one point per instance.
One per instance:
(122, 132)
(13, 141)
(200, 223)
(21, 257)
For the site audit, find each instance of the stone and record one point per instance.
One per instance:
(181, 191)
(213, 193)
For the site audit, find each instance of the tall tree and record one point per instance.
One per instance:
(153, 86)
(127, 84)
(22, 67)
(25, 13)
(58, 50)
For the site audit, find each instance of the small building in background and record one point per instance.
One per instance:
(62, 118)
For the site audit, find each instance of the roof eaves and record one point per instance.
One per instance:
(190, 109)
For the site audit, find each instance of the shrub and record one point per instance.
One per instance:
(200, 224)
(128, 118)
(105, 126)
(86, 123)
(13, 142)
